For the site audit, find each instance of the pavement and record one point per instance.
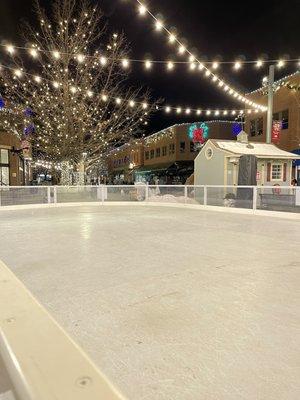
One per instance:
(170, 303)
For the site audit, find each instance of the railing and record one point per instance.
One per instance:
(41, 360)
(255, 198)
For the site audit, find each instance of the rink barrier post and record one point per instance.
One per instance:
(254, 198)
(147, 192)
(55, 194)
(205, 195)
(102, 194)
(49, 194)
(185, 194)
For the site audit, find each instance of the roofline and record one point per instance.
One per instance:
(276, 82)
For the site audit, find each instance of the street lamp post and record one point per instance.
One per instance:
(270, 103)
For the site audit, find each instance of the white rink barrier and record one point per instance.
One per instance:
(41, 360)
(253, 199)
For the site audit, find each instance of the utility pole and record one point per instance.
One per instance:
(270, 103)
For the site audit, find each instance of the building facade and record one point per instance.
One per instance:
(124, 161)
(14, 169)
(286, 110)
(166, 156)
(218, 163)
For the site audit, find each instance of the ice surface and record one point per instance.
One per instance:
(171, 303)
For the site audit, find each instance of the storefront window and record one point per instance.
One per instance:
(4, 167)
(158, 152)
(152, 154)
(164, 151)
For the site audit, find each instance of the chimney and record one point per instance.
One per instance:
(242, 137)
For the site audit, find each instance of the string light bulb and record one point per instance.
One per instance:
(158, 25)
(237, 65)
(148, 64)
(125, 63)
(170, 66)
(215, 65)
(10, 49)
(172, 38)
(259, 63)
(142, 9)
(281, 63)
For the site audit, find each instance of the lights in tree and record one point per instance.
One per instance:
(56, 54)
(18, 73)
(55, 85)
(73, 89)
(131, 103)
(103, 60)
(89, 93)
(104, 97)
(34, 53)
(80, 58)
(145, 105)
(118, 101)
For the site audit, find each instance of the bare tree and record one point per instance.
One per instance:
(76, 105)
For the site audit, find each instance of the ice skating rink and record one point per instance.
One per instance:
(171, 303)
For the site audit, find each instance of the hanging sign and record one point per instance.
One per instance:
(277, 126)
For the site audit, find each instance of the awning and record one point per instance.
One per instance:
(296, 163)
(177, 167)
(153, 168)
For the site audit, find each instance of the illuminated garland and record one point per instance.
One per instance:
(196, 63)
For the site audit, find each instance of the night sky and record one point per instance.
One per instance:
(226, 29)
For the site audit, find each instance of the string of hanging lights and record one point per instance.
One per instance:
(169, 65)
(195, 63)
(132, 103)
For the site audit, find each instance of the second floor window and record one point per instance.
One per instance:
(164, 151)
(158, 152)
(282, 116)
(172, 148)
(182, 147)
(256, 127)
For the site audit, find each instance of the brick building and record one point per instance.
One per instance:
(124, 161)
(14, 169)
(286, 110)
(167, 155)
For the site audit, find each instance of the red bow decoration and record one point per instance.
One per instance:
(198, 135)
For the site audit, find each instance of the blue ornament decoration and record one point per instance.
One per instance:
(2, 103)
(29, 129)
(28, 112)
(237, 128)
